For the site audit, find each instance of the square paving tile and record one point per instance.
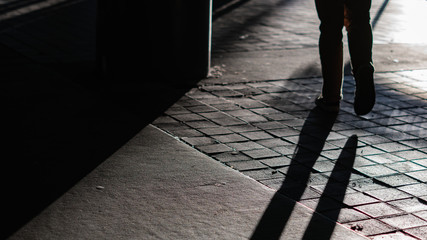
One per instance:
(277, 162)
(409, 205)
(188, 117)
(259, 135)
(384, 158)
(379, 209)
(392, 147)
(244, 146)
(405, 166)
(198, 141)
(388, 194)
(264, 174)
(359, 198)
(370, 227)
(411, 155)
(345, 215)
(227, 138)
(214, 148)
(231, 156)
(405, 221)
(215, 131)
(422, 214)
(247, 165)
(261, 153)
(397, 180)
(420, 175)
(420, 232)
(375, 170)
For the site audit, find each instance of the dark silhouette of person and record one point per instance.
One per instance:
(354, 15)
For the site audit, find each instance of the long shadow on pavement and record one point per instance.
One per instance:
(311, 141)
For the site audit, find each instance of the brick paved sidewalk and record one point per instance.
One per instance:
(367, 173)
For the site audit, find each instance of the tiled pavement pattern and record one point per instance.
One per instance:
(270, 131)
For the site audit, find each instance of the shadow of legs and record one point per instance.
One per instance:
(313, 135)
(342, 171)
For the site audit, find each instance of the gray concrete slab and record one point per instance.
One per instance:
(156, 187)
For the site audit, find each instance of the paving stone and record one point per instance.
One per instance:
(280, 116)
(225, 106)
(231, 156)
(358, 132)
(172, 126)
(253, 119)
(164, 119)
(324, 166)
(370, 227)
(261, 153)
(273, 142)
(293, 123)
(283, 132)
(216, 114)
(241, 113)
(277, 162)
(186, 133)
(410, 205)
(417, 190)
(248, 103)
(244, 146)
(214, 148)
(227, 138)
(247, 165)
(420, 175)
(393, 236)
(416, 143)
(419, 232)
(215, 131)
(267, 111)
(387, 194)
(392, 147)
(368, 150)
(243, 128)
(379, 209)
(404, 167)
(359, 198)
(373, 139)
(365, 185)
(264, 174)
(375, 170)
(228, 121)
(397, 180)
(201, 109)
(384, 158)
(269, 125)
(411, 155)
(422, 214)
(404, 221)
(286, 150)
(422, 162)
(201, 124)
(198, 141)
(188, 117)
(258, 135)
(345, 215)
(175, 110)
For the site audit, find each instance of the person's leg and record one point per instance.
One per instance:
(331, 15)
(359, 32)
(360, 45)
